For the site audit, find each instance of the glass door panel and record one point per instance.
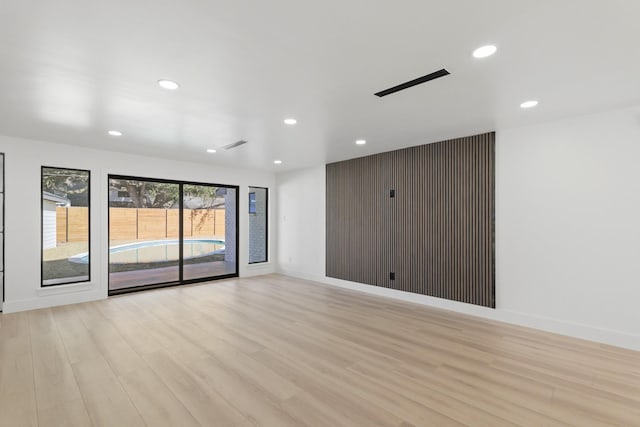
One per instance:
(209, 231)
(144, 244)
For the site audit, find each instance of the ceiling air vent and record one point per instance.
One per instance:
(415, 82)
(235, 144)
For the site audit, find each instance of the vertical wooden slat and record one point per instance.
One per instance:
(437, 234)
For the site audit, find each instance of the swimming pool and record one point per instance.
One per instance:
(157, 251)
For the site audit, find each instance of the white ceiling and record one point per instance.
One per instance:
(70, 70)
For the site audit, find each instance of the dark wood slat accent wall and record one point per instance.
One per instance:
(436, 235)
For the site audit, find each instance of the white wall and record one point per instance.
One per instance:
(567, 229)
(568, 222)
(301, 223)
(23, 160)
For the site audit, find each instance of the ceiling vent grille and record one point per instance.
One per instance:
(235, 144)
(414, 82)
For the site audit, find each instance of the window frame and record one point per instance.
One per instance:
(266, 227)
(42, 284)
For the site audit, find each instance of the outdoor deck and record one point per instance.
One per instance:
(128, 279)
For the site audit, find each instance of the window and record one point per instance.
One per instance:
(258, 231)
(65, 226)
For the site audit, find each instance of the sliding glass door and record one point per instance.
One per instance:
(169, 232)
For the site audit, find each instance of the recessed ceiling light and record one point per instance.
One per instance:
(361, 142)
(277, 162)
(211, 150)
(484, 51)
(168, 84)
(115, 133)
(290, 122)
(528, 104)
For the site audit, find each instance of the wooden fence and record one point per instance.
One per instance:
(141, 224)
(72, 224)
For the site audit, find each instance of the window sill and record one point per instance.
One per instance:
(65, 289)
(258, 265)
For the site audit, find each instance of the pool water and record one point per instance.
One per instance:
(158, 251)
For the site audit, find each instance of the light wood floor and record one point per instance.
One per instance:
(276, 351)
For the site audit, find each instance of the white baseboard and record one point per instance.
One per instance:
(52, 301)
(576, 330)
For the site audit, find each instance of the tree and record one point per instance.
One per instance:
(145, 194)
(70, 183)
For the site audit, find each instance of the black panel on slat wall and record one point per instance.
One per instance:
(436, 234)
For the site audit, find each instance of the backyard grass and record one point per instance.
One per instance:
(56, 266)
(64, 251)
